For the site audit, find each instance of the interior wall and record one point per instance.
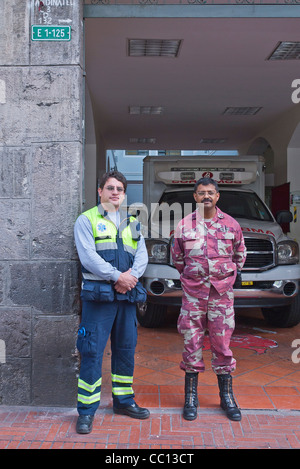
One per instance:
(279, 135)
(293, 171)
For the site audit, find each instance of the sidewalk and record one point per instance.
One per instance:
(25, 428)
(266, 387)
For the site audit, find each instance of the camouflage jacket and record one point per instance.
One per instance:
(207, 253)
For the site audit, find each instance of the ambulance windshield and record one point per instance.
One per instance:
(238, 204)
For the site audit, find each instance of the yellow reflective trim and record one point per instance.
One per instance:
(89, 399)
(89, 387)
(122, 379)
(122, 391)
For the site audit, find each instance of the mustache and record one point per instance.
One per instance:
(206, 200)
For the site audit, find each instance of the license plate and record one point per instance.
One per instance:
(247, 283)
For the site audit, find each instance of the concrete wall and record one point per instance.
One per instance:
(40, 198)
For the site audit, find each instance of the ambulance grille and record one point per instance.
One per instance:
(260, 253)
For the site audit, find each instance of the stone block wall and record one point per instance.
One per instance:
(41, 89)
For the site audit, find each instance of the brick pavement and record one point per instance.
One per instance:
(266, 386)
(54, 428)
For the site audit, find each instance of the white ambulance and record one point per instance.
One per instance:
(271, 274)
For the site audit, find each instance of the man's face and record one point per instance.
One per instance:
(112, 194)
(206, 195)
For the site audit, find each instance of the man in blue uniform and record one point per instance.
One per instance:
(113, 256)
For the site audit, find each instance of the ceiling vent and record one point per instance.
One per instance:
(153, 47)
(146, 110)
(286, 51)
(142, 140)
(242, 111)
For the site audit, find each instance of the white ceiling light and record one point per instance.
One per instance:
(286, 51)
(153, 47)
(142, 140)
(242, 111)
(148, 110)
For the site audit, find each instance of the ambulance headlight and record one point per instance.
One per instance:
(288, 252)
(158, 251)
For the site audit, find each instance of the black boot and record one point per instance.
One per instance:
(191, 399)
(227, 400)
(133, 411)
(84, 424)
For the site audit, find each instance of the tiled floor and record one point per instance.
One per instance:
(266, 377)
(266, 385)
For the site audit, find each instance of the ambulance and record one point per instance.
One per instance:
(271, 274)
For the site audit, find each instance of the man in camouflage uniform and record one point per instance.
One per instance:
(208, 251)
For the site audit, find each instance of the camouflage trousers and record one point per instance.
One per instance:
(210, 312)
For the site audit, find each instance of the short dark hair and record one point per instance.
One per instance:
(113, 174)
(206, 182)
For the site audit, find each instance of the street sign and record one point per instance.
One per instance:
(50, 33)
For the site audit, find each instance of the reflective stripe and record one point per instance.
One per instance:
(129, 249)
(89, 399)
(89, 387)
(122, 379)
(104, 245)
(122, 391)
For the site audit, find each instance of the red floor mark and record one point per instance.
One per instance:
(253, 342)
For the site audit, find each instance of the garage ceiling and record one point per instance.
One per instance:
(222, 63)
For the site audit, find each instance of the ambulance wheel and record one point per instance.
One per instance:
(150, 315)
(283, 316)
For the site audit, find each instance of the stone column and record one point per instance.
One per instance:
(41, 141)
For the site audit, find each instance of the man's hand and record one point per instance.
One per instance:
(125, 282)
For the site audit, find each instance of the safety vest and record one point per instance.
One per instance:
(115, 245)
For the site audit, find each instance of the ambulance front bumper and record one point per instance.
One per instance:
(275, 287)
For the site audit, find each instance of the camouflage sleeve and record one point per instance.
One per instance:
(239, 248)
(177, 249)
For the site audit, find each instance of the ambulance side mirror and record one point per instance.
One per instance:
(284, 216)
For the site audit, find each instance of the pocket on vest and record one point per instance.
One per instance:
(99, 291)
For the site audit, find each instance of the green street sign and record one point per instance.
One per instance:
(50, 33)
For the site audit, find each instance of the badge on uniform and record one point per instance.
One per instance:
(101, 227)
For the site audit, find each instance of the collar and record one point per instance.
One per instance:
(105, 213)
(124, 216)
(218, 214)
